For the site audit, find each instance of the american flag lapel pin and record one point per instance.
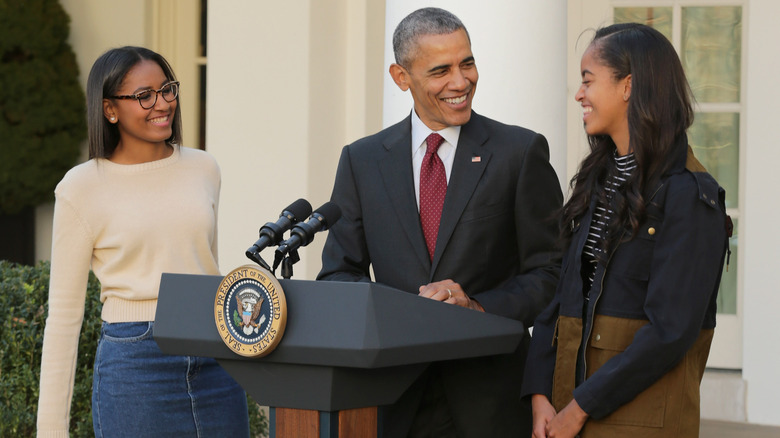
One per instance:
(476, 159)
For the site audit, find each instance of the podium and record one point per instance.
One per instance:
(347, 348)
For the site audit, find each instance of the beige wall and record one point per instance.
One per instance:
(290, 83)
(97, 26)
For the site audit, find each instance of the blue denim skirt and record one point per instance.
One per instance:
(137, 391)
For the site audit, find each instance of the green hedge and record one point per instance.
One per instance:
(23, 295)
(42, 105)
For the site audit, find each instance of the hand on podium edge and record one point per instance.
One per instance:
(449, 292)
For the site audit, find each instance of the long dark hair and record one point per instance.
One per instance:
(104, 80)
(659, 112)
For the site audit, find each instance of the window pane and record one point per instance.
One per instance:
(658, 18)
(727, 293)
(711, 51)
(714, 138)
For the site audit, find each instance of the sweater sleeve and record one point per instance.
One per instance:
(71, 255)
(217, 192)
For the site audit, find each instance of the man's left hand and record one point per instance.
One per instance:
(449, 292)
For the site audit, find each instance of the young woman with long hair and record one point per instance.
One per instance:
(622, 348)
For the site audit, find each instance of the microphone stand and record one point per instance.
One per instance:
(255, 257)
(287, 261)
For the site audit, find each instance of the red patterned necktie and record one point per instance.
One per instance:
(433, 187)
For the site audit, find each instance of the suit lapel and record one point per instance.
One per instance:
(470, 162)
(396, 169)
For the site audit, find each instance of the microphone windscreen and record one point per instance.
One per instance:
(330, 212)
(300, 209)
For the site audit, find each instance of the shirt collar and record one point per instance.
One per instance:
(420, 132)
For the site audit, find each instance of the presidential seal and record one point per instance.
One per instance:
(250, 311)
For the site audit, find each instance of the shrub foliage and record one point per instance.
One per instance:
(42, 105)
(24, 293)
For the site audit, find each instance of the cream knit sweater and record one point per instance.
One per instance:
(129, 224)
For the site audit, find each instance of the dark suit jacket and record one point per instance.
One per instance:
(496, 239)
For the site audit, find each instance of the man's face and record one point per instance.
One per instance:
(442, 77)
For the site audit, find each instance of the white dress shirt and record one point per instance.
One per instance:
(446, 151)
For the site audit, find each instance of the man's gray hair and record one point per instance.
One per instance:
(425, 21)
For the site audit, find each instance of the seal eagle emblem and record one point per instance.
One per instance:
(250, 311)
(250, 304)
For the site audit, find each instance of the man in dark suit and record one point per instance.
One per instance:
(470, 224)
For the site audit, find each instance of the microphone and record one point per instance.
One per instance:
(303, 233)
(272, 232)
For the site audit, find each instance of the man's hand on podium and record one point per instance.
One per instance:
(449, 292)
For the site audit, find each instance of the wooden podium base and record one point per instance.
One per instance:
(300, 423)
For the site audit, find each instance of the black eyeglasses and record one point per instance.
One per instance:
(148, 98)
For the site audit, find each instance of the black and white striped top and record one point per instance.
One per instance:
(598, 227)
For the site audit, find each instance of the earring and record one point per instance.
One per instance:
(112, 118)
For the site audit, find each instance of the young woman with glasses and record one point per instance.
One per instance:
(140, 206)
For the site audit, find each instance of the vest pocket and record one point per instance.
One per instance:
(610, 337)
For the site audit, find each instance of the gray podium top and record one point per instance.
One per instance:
(346, 345)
